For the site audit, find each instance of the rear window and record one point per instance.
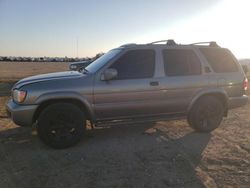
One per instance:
(181, 62)
(220, 59)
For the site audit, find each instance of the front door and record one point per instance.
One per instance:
(133, 92)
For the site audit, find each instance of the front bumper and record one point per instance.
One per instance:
(21, 114)
(234, 102)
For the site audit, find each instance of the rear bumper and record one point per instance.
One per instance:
(234, 102)
(22, 115)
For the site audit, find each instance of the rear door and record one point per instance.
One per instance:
(183, 78)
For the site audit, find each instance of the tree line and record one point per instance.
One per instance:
(48, 59)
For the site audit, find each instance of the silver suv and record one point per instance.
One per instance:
(149, 82)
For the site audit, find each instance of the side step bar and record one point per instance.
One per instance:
(135, 121)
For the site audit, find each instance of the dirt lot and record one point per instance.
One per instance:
(162, 154)
(12, 71)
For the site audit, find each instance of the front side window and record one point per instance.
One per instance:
(181, 62)
(220, 59)
(101, 61)
(135, 64)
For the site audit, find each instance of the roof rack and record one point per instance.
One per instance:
(129, 44)
(170, 42)
(211, 43)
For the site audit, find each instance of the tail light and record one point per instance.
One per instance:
(245, 84)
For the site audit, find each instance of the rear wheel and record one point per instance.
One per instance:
(206, 115)
(61, 125)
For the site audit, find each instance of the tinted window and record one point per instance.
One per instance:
(220, 59)
(135, 64)
(101, 61)
(181, 62)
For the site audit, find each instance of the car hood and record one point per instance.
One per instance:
(46, 77)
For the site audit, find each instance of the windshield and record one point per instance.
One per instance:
(101, 61)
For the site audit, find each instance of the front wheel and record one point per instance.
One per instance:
(61, 125)
(206, 115)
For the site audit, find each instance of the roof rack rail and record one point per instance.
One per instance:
(211, 43)
(129, 44)
(170, 42)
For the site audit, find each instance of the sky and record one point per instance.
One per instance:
(58, 28)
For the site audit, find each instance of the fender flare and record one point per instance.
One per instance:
(60, 95)
(216, 91)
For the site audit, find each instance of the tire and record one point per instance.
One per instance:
(206, 115)
(61, 125)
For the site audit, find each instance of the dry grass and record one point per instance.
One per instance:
(13, 71)
(3, 101)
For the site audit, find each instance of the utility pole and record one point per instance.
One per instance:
(77, 47)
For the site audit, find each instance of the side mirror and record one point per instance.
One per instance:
(109, 74)
(245, 68)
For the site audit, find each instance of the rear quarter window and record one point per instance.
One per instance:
(220, 59)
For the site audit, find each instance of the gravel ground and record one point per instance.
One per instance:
(162, 154)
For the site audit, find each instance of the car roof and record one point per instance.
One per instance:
(170, 43)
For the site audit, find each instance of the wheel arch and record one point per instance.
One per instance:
(219, 94)
(48, 99)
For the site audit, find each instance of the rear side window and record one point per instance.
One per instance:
(135, 64)
(181, 62)
(220, 59)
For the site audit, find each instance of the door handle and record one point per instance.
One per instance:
(154, 83)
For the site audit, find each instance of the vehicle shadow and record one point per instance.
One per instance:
(121, 156)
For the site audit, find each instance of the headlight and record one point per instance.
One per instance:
(73, 66)
(19, 95)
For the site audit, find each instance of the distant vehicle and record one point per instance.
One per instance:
(78, 66)
(245, 68)
(245, 64)
(130, 84)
